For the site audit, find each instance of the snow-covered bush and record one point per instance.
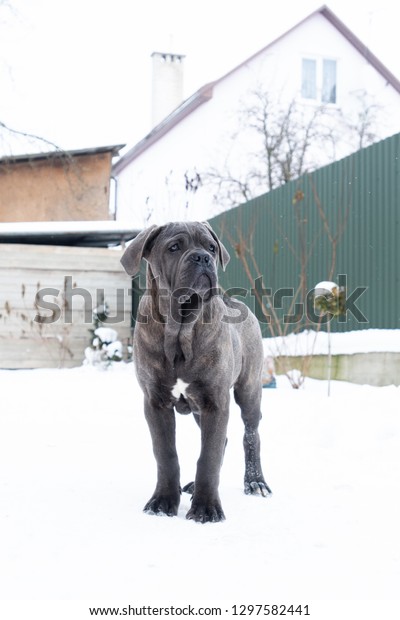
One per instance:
(105, 346)
(329, 298)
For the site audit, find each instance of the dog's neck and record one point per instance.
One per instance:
(179, 319)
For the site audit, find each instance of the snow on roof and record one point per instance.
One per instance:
(113, 149)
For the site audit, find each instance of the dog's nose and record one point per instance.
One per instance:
(200, 257)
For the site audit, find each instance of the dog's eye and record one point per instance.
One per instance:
(212, 248)
(174, 247)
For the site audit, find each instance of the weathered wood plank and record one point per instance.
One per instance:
(32, 257)
(26, 268)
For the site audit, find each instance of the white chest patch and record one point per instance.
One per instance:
(179, 389)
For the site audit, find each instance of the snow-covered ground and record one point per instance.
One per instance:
(76, 468)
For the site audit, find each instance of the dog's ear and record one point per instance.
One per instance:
(222, 251)
(138, 249)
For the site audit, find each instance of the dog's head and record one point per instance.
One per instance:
(183, 257)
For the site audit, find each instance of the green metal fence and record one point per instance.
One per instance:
(340, 223)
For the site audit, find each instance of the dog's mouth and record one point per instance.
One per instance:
(201, 290)
(194, 297)
(203, 286)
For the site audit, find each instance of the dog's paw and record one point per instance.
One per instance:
(257, 487)
(189, 488)
(162, 505)
(206, 511)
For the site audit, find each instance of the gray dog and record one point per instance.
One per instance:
(191, 345)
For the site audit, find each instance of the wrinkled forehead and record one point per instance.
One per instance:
(194, 231)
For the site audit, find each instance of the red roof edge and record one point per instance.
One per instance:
(361, 47)
(201, 96)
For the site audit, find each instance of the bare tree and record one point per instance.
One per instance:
(287, 140)
(363, 126)
(283, 320)
(12, 139)
(286, 134)
(9, 135)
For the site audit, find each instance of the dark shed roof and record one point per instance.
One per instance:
(82, 234)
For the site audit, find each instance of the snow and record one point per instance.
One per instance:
(106, 334)
(326, 285)
(342, 343)
(76, 468)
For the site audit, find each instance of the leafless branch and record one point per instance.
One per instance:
(288, 140)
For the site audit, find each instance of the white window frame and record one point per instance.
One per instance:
(309, 85)
(319, 79)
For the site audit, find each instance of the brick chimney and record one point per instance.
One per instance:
(167, 84)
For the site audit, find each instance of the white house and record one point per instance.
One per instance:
(318, 62)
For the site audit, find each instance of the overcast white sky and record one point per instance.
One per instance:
(78, 72)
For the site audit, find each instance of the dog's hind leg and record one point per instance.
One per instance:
(248, 398)
(197, 418)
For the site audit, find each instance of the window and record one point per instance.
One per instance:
(309, 79)
(318, 80)
(329, 81)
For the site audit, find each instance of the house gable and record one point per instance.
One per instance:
(206, 93)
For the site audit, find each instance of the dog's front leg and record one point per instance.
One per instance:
(206, 504)
(166, 497)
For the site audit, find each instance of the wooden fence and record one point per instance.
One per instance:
(62, 285)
